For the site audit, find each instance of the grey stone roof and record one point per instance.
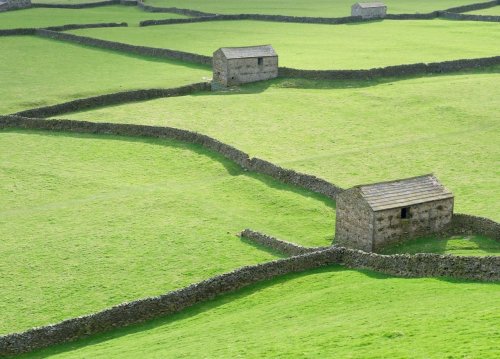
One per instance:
(404, 192)
(249, 51)
(366, 5)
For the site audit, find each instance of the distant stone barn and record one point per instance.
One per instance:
(369, 217)
(238, 65)
(14, 4)
(369, 10)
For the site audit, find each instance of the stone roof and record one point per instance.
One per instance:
(366, 5)
(249, 51)
(404, 192)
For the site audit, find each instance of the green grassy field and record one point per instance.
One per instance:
(312, 46)
(55, 72)
(323, 8)
(326, 313)
(490, 11)
(85, 220)
(461, 246)
(43, 17)
(353, 132)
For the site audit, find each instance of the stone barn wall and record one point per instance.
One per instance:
(369, 12)
(354, 221)
(424, 219)
(219, 64)
(250, 70)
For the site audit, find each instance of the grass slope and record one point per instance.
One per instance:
(325, 313)
(312, 46)
(44, 17)
(353, 132)
(88, 222)
(55, 72)
(323, 8)
(471, 245)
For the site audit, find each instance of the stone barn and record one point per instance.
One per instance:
(369, 10)
(372, 216)
(239, 65)
(14, 4)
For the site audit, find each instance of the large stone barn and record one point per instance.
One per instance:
(372, 216)
(369, 10)
(14, 4)
(238, 65)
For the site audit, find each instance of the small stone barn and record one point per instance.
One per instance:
(369, 10)
(14, 4)
(238, 65)
(372, 216)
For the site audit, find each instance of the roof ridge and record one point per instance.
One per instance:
(396, 180)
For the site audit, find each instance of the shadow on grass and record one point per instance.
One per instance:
(204, 307)
(232, 168)
(186, 64)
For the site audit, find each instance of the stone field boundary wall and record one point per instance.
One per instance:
(113, 99)
(76, 6)
(32, 31)
(472, 7)
(278, 245)
(174, 10)
(471, 17)
(290, 177)
(465, 224)
(392, 71)
(389, 71)
(126, 314)
(118, 46)
(461, 224)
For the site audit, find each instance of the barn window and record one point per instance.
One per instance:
(260, 60)
(405, 212)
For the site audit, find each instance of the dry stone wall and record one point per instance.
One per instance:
(420, 265)
(186, 12)
(77, 6)
(471, 17)
(32, 31)
(309, 182)
(117, 46)
(113, 99)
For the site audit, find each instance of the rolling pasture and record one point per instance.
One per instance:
(319, 47)
(352, 132)
(86, 219)
(90, 221)
(57, 72)
(44, 17)
(330, 312)
(321, 8)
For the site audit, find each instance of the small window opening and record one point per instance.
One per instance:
(260, 60)
(405, 212)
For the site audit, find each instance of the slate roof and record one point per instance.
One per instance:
(366, 5)
(249, 51)
(404, 192)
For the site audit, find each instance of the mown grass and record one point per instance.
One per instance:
(44, 17)
(325, 313)
(38, 72)
(353, 132)
(313, 46)
(495, 10)
(323, 8)
(458, 245)
(92, 221)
